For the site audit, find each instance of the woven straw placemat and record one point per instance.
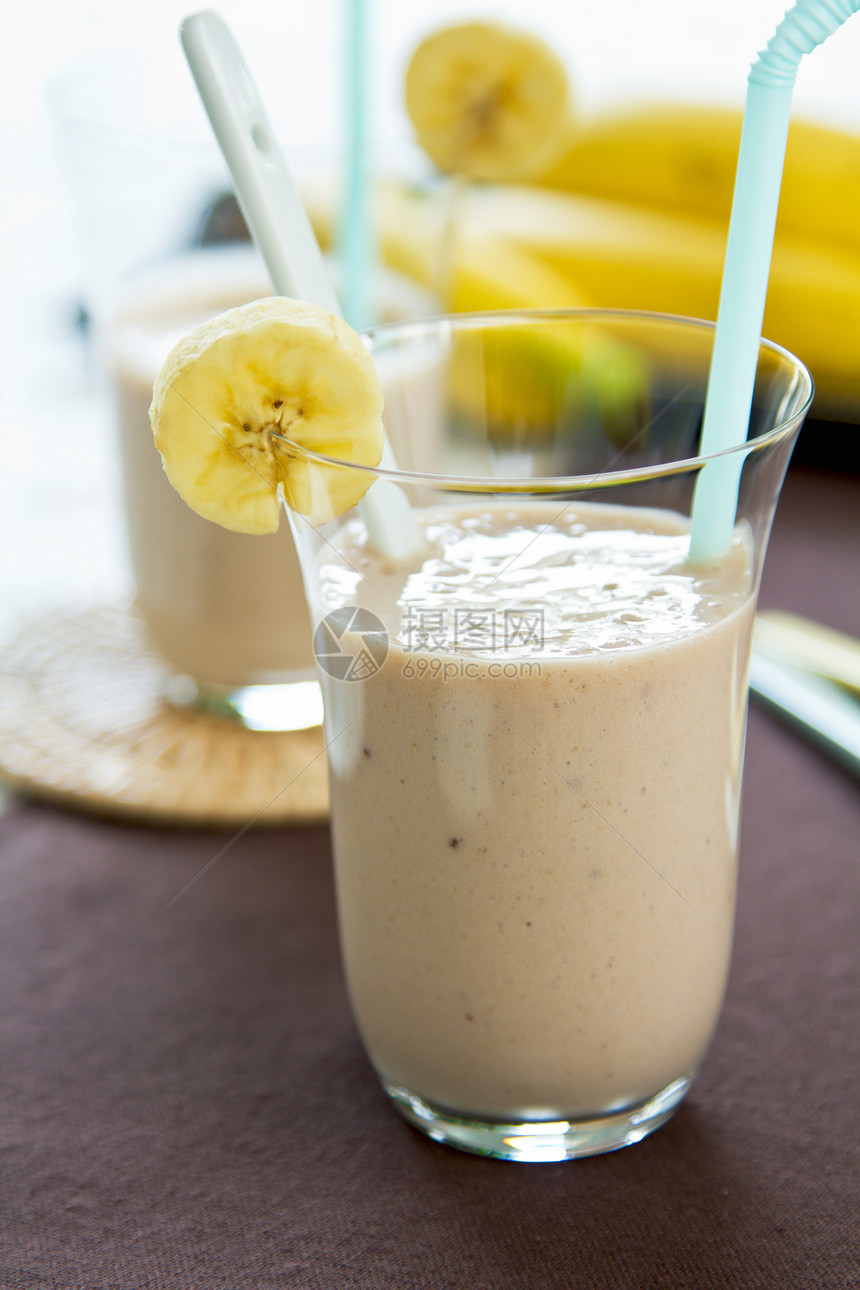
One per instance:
(83, 722)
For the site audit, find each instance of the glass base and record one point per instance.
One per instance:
(536, 1142)
(296, 705)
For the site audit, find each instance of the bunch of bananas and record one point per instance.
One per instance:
(630, 211)
(662, 177)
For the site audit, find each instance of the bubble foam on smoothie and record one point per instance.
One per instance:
(599, 583)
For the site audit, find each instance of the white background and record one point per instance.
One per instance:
(61, 536)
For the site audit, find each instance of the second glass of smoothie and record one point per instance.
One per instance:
(535, 724)
(164, 250)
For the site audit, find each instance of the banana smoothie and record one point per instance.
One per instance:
(226, 608)
(535, 706)
(535, 805)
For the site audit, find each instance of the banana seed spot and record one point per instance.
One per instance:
(483, 109)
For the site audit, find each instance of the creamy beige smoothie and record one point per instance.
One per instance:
(535, 836)
(226, 608)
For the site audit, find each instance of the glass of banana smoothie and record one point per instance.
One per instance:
(535, 723)
(165, 248)
(162, 251)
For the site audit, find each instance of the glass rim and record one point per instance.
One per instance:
(563, 483)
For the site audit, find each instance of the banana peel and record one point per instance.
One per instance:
(516, 381)
(529, 246)
(681, 158)
(420, 235)
(621, 256)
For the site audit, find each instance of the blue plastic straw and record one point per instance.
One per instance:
(356, 241)
(747, 265)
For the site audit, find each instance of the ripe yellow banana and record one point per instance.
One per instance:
(527, 247)
(621, 256)
(238, 391)
(487, 101)
(421, 238)
(682, 158)
(524, 246)
(469, 270)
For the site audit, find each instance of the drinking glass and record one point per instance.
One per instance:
(535, 727)
(165, 248)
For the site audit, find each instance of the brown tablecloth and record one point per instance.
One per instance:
(185, 1103)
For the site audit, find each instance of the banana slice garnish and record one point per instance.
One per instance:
(488, 101)
(241, 395)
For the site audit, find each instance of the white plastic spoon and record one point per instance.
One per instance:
(279, 224)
